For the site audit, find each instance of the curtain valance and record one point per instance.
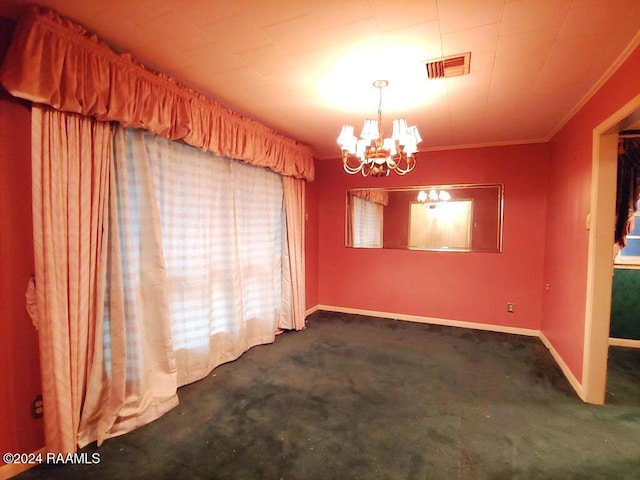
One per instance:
(371, 194)
(56, 62)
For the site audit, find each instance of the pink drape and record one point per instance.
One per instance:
(294, 202)
(56, 62)
(71, 165)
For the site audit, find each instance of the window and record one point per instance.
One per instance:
(630, 255)
(367, 223)
(206, 234)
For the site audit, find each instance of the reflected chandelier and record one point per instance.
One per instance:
(433, 197)
(374, 155)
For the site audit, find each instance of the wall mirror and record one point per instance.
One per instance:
(457, 218)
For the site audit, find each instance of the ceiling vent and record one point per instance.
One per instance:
(451, 66)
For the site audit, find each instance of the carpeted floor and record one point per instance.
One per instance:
(355, 397)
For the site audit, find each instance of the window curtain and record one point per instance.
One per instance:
(56, 62)
(137, 381)
(217, 224)
(294, 196)
(365, 213)
(180, 272)
(376, 195)
(71, 158)
(628, 187)
(86, 338)
(366, 223)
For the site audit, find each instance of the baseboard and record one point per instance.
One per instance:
(433, 320)
(575, 383)
(623, 342)
(311, 310)
(12, 469)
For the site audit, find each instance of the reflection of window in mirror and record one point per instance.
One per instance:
(445, 225)
(366, 223)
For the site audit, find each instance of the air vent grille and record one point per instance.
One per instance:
(451, 66)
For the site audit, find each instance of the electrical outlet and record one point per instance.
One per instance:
(37, 408)
(511, 307)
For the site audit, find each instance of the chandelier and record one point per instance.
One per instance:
(374, 155)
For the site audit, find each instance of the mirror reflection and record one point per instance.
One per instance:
(460, 218)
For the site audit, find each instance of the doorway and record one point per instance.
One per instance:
(600, 260)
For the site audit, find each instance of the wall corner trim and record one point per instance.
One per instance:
(577, 386)
(311, 310)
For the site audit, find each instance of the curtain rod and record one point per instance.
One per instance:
(631, 133)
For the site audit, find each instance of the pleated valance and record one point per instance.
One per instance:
(372, 194)
(56, 62)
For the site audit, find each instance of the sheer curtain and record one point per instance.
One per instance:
(218, 224)
(366, 223)
(138, 381)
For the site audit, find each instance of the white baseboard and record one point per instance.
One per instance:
(12, 469)
(433, 320)
(623, 342)
(575, 383)
(311, 310)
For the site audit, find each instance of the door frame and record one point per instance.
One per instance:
(601, 222)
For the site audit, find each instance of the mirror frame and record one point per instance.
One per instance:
(418, 188)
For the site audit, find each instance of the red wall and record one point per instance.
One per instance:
(19, 360)
(569, 197)
(311, 244)
(472, 287)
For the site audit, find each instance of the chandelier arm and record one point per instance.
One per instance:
(352, 170)
(347, 166)
(404, 171)
(409, 160)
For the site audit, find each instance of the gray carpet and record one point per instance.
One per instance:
(355, 397)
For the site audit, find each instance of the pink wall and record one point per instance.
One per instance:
(19, 359)
(569, 198)
(311, 244)
(472, 287)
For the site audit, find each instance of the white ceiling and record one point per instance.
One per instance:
(305, 67)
